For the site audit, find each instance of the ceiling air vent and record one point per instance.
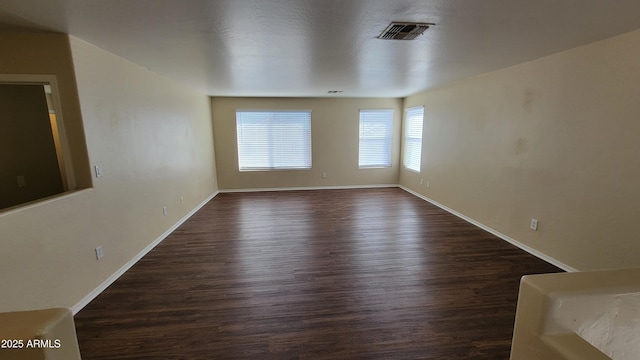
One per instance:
(404, 31)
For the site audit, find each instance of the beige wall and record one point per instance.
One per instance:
(153, 139)
(556, 139)
(334, 132)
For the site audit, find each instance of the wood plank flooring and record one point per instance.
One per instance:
(326, 274)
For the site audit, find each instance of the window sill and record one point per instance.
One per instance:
(35, 203)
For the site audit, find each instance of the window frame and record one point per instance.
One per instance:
(407, 159)
(274, 141)
(387, 140)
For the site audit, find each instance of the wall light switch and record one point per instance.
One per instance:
(99, 253)
(164, 211)
(98, 169)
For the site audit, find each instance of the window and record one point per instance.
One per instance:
(376, 132)
(271, 140)
(413, 138)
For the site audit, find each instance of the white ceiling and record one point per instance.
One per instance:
(304, 48)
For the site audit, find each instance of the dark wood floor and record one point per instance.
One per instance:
(330, 274)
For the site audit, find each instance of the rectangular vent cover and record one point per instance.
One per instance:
(404, 31)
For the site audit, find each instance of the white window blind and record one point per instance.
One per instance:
(413, 138)
(270, 140)
(376, 133)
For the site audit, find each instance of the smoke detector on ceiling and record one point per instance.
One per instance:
(404, 30)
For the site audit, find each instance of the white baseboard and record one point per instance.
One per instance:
(502, 236)
(311, 188)
(93, 294)
(105, 284)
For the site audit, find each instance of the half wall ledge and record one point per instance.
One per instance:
(583, 315)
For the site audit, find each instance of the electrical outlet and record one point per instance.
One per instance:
(21, 181)
(164, 211)
(534, 225)
(421, 181)
(99, 252)
(428, 183)
(181, 199)
(324, 175)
